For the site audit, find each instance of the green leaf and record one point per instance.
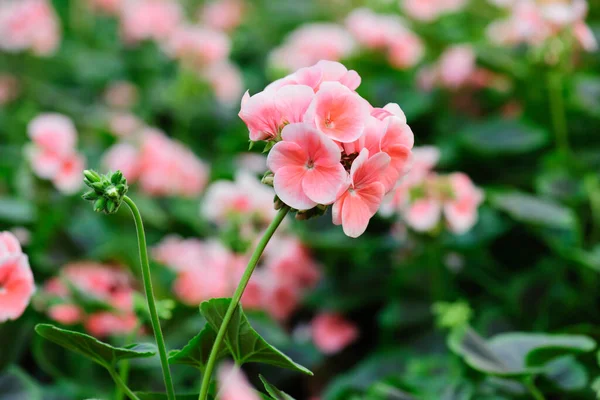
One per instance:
(163, 396)
(515, 353)
(16, 210)
(498, 137)
(566, 373)
(243, 342)
(197, 351)
(90, 347)
(275, 393)
(534, 210)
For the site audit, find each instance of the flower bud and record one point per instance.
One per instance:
(107, 190)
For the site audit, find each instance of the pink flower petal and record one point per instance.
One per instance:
(367, 171)
(260, 115)
(286, 154)
(292, 101)
(323, 183)
(288, 186)
(358, 208)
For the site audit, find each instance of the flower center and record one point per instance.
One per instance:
(329, 122)
(310, 164)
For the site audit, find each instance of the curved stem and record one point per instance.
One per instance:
(237, 296)
(158, 336)
(535, 392)
(125, 366)
(122, 384)
(557, 110)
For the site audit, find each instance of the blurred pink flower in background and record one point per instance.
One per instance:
(149, 20)
(224, 15)
(161, 165)
(233, 385)
(244, 199)
(197, 46)
(123, 123)
(16, 279)
(9, 88)
(29, 25)
(226, 81)
(456, 65)
(53, 154)
(332, 333)
(305, 46)
(533, 22)
(423, 197)
(101, 282)
(386, 32)
(430, 10)
(121, 94)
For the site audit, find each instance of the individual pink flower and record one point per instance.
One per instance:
(149, 19)
(233, 385)
(197, 46)
(123, 123)
(66, 314)
(355, 207)
(267, 112)
(406, 51)
(281, 298)
(16, 279)
(338, 112)
(331, 333)
(9, 89)
(226, 81)
(289, 260)
(102, 324)
(424, 214)
(123, 157)
(456, 66)
(429, 10)
(53, 132)
(111, 7)
(307, 168)
(305, 46)
(461, 210)
(223, 15)
(68, 177)
(28, 25)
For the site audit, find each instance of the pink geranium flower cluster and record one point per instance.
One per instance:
(53, 154)
(305, 46)
(29, 25)
(424, 196)
(16, 279)
(207, 269)
(535, 21)
(331, 146)
(430, 10)
(161, 165)
(386, 33)
(101, 282)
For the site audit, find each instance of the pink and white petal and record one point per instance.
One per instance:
(460, 219)
(322, 184)
(351, 80)
(423, 215)
(399, 161)
(371, 171)
(44, 164)
(397, 132)
(319, 148)
(288, 186)
(358, 163)
(260, 115)
(292, 101)
(336, 209)
(332, 70)
(395, 110)
(309, 76)
(358, 208)
(285, 154)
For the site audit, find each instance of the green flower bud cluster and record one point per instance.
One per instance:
(107, 190)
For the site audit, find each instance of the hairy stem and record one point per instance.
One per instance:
(237, 296)
(158, 336)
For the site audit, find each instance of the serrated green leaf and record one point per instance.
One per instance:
(197, 351)
(275, 393)
(90, 347)
(243, 342)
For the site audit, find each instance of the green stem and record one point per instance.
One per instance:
(535, 392)
(124, 368)
(158, 336)
(557, 110)
(237, 296)
(122, 384)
